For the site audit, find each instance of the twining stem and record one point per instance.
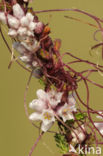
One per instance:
(35, 144)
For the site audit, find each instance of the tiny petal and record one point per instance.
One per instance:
(39, 27)
(3, 17)
(41, 94)
(18, 11)
(30, 17)
(30, 33)
(25, 59)
(13, 22)
(22, 31)
(46, 127)
(32, 26)
(47, 116)
(24, 21)
(12, 33)
(35, 116)
(37, 105)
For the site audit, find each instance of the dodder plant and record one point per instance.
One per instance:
(59, 101)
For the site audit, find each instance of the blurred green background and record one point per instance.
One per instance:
(16, 133)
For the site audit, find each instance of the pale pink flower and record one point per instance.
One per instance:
(12, 33)
(66, 111)
(54, 98)
(47, 118)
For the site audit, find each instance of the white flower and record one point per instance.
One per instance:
(12, 33)
(24, 21)
(66, 111)
(18, 11)
(54, 97)
(22, 31)
(29, 16)
(3, 18)
(99, 125)
(13, 22)
(80, 133)
(47, 118)
(100, 117)
(32, 26)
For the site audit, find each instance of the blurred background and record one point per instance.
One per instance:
(17, 135)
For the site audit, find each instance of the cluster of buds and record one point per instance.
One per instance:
(48, 104)
(24, 28)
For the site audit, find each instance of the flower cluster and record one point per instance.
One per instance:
(23, 27)
(39, 53)
(48, 104)
(19, 23)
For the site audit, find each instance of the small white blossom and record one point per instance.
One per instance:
(32, 26)
(3, 18)
(24, 21)
(80, 133)
(54, 97)
(66, 111)
(13, 22)
(12, 33)
(30, 17)
(18, 11)
(47, 118)
(22, 31)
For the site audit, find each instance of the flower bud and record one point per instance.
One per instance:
(39, 28)
(13, 22)
(18, 11)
